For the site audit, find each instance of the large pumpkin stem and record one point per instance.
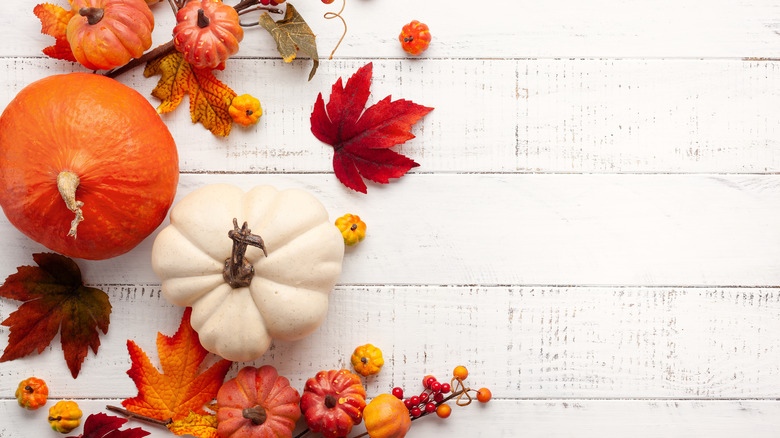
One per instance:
(255, 414)
(94, 15)
(238, 271)
(203, 20)
(67, 183)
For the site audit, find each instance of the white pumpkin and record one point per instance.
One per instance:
(287, 296)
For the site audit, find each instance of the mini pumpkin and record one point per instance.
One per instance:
(257, 403)
(246, 285)
(352, 228)
(65, 416)
(104, 34)
(245, 110)
(32, 393)
(386, 417)
(367, 360)
(415, 37)
(332, 402)
(207, 32)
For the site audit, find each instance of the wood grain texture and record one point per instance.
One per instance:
(606, 343)
(485, 229)
(500, 29)
(506, 116)
(527, 418)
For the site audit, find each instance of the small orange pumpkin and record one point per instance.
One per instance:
(352, 228)
(64, 416)
(207, 32)
(104, 34)
(386, 417)
(415, 37)
(257, 403)
(367, 360)
(245, 110)
(32, 393)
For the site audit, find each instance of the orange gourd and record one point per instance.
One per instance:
(207, 32)
(104, 34)
(87, 167)
(386, 417)
(257, 403)
(32, 393)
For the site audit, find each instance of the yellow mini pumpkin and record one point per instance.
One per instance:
(352, 228)
(367, 360)
(386, 417)
(32, 393)
(245, 110)
(65, 416)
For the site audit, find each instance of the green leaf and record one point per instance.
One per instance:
(292, 34)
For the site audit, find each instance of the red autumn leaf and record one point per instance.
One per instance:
(54, 300)
(361, 139)
(107, 426)
(179, 390)
(54, 22)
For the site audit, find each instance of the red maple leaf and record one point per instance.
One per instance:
(361, 139)
(107, 426)
(54, 300)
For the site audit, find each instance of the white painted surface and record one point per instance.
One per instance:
(595, 238)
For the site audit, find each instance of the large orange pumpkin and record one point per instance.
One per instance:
(87, 167)
(104, 34)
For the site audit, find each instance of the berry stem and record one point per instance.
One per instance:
(330, 15)
(305, 431)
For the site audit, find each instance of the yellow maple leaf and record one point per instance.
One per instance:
(202, 426)
(209, 98)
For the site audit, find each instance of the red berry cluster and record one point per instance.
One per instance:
(429, 400)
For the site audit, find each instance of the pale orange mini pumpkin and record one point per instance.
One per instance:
(104, 34)
(207, 32)
(386, 417)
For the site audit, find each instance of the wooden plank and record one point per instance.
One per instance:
(529, 418)
(498, 115)
(504, 28)
(534, 342)
(488, 229)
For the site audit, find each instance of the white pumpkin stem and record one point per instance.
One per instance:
(67, 183)
(238, 271)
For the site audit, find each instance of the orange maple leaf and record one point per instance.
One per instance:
(209, 98)
(54, 22)
(179, 389)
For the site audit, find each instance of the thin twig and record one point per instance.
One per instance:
(174, 7)
(139, 417)
(146, 57)
(331, 15)
(305, 431)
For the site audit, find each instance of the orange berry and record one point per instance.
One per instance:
(460, 372)
(443, 411)
(484, 395)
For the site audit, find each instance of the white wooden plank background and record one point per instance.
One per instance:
(592, 230)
